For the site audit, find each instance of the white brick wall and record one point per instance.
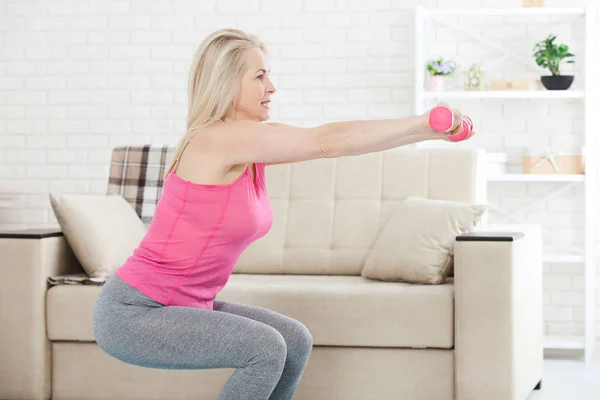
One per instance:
(80, 77)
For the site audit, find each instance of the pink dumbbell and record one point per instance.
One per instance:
(441, 119)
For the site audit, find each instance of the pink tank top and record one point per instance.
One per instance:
(196, 236)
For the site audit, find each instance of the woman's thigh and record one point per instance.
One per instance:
(293, 331)
(140, 332)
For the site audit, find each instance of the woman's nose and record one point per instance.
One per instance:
(270, 87)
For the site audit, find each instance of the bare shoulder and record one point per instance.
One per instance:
(225, 138)
(278, 124)
(218, 142)
(199, 162)
(244, 142)
(239, 126)
(246, 127)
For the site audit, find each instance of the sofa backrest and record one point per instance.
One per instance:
(327, 212)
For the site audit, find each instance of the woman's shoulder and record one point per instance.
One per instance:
(205, 162)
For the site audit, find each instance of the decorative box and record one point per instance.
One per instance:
(533, 3)
(516, 84)
(553, 163)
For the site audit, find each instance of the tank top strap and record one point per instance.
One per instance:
(187, 141)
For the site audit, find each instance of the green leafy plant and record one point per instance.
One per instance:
(441, 67)
(550, 55)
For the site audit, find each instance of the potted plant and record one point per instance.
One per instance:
(550, 55)
(439, 69)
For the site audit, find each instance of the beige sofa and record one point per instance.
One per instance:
(476, 337)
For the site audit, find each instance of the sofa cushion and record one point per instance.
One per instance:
(338, 310)
(417, 243)
(102, 230)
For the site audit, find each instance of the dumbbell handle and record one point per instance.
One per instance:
(442, 119)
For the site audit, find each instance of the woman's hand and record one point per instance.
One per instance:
(456, 128)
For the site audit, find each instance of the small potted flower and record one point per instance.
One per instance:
(550, 55)
(438, 71)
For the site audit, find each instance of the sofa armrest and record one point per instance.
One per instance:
(28, 258)
(498, 312)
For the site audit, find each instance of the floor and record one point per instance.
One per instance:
(568, 378)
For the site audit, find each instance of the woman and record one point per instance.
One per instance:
(159, 310)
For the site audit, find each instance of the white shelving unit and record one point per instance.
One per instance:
(587, 95)
(536, 178)
(507, 94)
(549, 11)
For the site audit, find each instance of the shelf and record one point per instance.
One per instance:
(549, 11)
(564, 342)
(583, 95)
(563, 258)
(505, 94)
(536, 178)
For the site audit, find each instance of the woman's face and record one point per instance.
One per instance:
(252, 102)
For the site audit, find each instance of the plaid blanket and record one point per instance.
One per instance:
(136, 173)
(76, 279)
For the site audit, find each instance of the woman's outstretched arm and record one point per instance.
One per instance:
(241, 142)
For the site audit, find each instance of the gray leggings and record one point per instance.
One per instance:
(269, 350)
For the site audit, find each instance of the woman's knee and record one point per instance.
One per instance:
(302, 338)
(270, 346)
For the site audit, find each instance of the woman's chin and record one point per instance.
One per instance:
(265, 115)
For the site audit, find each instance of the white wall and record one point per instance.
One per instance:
(80, 77)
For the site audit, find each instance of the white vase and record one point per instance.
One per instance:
(436, 83)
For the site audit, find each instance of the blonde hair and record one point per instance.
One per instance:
(214, 79)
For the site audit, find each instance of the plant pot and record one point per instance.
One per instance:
(436, 83)
(557, 82)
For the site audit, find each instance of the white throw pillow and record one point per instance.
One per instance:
(102, 230)
(417, 243)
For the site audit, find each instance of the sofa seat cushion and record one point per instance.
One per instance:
(338, 310)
